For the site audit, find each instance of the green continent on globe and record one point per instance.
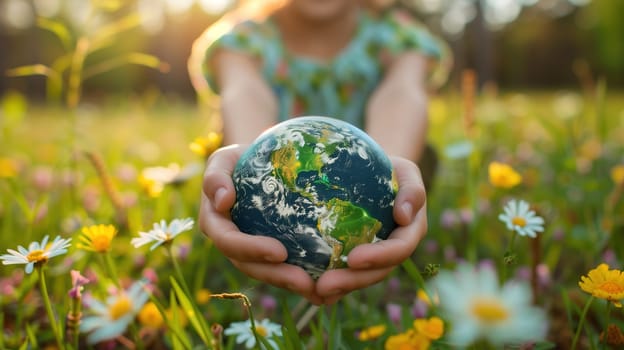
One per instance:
(292, 159)
(344, 226)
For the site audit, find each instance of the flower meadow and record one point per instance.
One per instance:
(100, 246)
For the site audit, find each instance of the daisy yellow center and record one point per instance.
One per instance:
(120, 308)
(262, 331)
(611, 287)
(100, 242)
(489, 311)
(36, 256)
(519, 221)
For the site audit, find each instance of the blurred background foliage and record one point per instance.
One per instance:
(514, 44)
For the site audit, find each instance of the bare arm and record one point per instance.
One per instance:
(397, 112)
(248, 105)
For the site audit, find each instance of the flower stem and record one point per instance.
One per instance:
(73, 320)
(507, 259)
(247, 305)
(603, 344)
(187, 291)
(48, 307)
(177, 269)
(110, 268)
(581, 321)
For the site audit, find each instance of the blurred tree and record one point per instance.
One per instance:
(605, 23)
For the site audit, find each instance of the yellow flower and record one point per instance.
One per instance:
(432, 328)
(8, 168)
(203, 296)
(97, 238)
(151, 187)
(617, 174)
(502, 175)
(409, 340)
(204, 146)
(150, 316)
(372, 332)
(604, 284)
(180, 316)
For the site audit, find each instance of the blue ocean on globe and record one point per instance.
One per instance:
(320, 186)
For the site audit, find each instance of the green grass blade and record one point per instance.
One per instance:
(190, 311)
(180, 339)
(289, 329)
(136, 58)
(58, 29)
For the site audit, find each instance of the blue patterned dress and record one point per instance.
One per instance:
(338, 88)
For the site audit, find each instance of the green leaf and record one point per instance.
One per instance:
(191, 313)
(29, 70)
(179, 339)
(289, 328)
(58, 29)
(334, 332)
(136, 58)
(32, 337)
(263, 340)
(105, 36)
(413, 272)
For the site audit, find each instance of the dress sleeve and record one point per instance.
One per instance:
(400, 32)
(246, 37)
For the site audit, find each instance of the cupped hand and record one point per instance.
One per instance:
(263, 258)
(259, 257)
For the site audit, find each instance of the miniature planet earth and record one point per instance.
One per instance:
(320, 186)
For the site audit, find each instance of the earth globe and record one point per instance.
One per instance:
(319, 185)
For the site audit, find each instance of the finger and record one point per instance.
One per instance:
(334, 284)
(218, 185)
(236, 244)
(412, 195)
(392, 251)
(286, 276)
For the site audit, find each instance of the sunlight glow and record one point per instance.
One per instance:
(47, 8)
(179, 6)
(501, 12)
(77, 11)
(152, 15)
(455, 19)
(17, 14)
(214, 6)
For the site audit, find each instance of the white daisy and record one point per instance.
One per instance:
(162, 233)
(519, 218)
(478, 308)
(37, 253)
(111, 319)
(244, 334)
(171, 174)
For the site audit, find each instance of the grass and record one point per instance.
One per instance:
(563, 144)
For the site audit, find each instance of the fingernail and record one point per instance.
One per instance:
(407, 209)
(219, 195)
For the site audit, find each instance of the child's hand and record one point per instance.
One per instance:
(263, 257)
(259, 257)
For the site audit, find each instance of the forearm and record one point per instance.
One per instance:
(246, 111)
(397, 120)
(247, 104)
